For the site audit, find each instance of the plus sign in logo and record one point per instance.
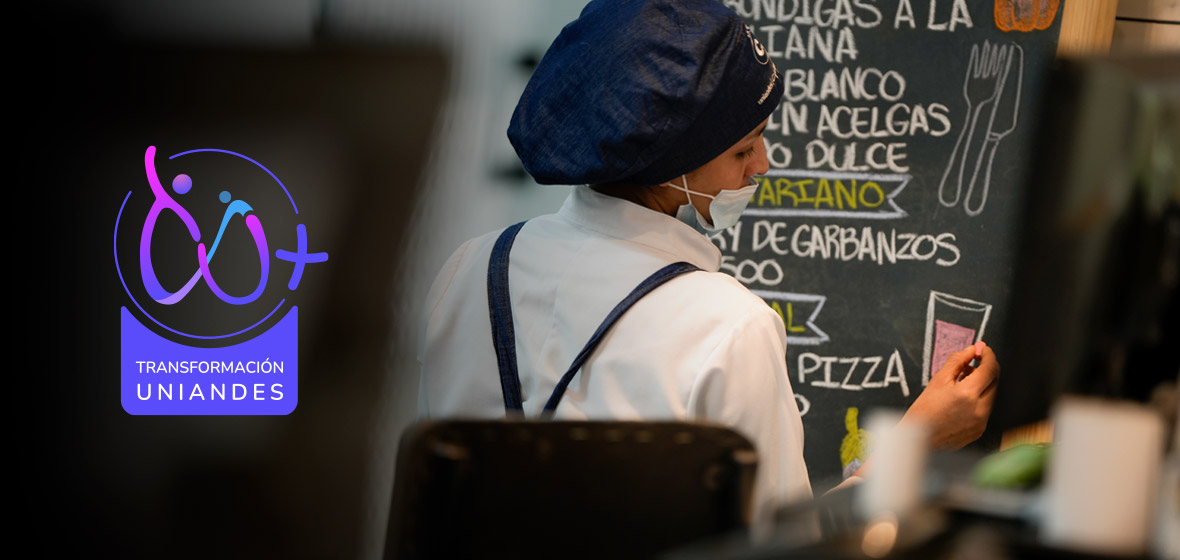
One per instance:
(210, 260)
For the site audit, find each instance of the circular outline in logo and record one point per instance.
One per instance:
(760, 54)
(136, 302)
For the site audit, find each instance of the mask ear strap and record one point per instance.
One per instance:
(687, 193)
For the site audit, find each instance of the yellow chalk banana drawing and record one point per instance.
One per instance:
(857, 443)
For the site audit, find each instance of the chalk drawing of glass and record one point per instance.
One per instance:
(952, 324)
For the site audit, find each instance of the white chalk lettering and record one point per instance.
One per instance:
(874, 361)
(844, 84)
(809, 43)
(767, 234)
(960, 15)
(850, 369)
(821, 13)
(778, 155)
(767, 272)
(898, 120)
(833, 242)
(718, 239)
(905, 12)
(894, 372)
(803, 404)
(852, 362)
(821, 155)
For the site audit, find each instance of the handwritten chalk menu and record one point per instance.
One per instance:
(885, 232)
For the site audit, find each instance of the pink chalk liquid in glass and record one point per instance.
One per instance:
(948, 339)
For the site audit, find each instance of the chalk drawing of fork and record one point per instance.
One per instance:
(981, 85)
(1005, 110)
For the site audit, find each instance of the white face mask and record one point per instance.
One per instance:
(726, 208)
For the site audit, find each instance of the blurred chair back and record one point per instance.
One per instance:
(565, 489)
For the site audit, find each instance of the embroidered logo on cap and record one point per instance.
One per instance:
(760, 53)
(763, 58)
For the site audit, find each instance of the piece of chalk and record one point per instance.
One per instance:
(978, 354)
(974, 363)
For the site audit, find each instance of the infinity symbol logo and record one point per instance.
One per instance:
(164, 201)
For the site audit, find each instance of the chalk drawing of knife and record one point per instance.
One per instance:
(1005, 112)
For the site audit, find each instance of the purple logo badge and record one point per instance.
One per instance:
(217, 350)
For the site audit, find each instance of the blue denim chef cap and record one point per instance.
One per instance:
(642, 91)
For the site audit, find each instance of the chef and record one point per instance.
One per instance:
(614, 307)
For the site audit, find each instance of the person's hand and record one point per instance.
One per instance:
(957, 411)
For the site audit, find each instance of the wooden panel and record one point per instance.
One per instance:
(1141, 37)
(1087, 27)
(1158, 10)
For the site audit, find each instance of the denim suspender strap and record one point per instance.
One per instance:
(504, 337)
(500, 308)
(652, 282)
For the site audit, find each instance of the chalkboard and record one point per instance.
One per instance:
(885, 232)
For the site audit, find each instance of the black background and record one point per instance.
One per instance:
(347, 128)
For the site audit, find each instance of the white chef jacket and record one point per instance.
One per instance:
(701, 347)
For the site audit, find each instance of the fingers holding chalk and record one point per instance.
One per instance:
(979, 346)
(974, 363)
(983, 377)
